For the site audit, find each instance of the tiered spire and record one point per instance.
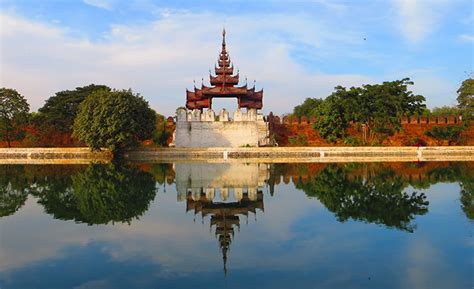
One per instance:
(223, 84)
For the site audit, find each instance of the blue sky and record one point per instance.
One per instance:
(294, 49)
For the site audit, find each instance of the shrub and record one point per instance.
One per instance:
(299, 140)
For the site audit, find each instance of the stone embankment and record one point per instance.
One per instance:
(253, 154)
(52, 155)
(306, 154)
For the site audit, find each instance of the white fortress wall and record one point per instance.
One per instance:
(195, 129)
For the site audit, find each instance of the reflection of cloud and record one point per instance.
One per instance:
(30, 225)
(294, 238)
(165, 233)
(424, 262)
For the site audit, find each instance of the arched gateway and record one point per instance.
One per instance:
(198, 126)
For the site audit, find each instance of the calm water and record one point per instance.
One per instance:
(196, 225)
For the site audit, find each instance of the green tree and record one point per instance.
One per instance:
(379, 107)
(308, 108)
(116, 120)
(60, 110)
(332, 116)
(466, 98)
(160, 135)
(449, 133)
(444, 111)
(13, 113)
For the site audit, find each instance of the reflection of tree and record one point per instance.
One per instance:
(467, 192)
(163, 173)
(112, 193)
(13, 189)
(467, 199)
(56, 195)
(376, 199)
(98, 194)
(446, 174)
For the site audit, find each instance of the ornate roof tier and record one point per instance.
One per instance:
(223, 86)
(221, 80)
(221, 70)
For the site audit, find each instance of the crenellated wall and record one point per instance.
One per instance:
(205, 129)
(291, 131)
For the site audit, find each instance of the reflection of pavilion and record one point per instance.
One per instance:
(225, 216)
(224, 192)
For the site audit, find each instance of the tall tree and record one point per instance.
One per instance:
(332, 115)
(13, 112)
(379, 107)
(466, 98)
(60, 110)
(308, 108)
(116, 120)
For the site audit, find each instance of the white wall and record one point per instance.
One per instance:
(219, 133)
(200, 129)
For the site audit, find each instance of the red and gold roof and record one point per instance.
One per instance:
(223, 85)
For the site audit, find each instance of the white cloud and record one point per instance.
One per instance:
(160, 59)
(419, 18)
(466, 37)
(104, 4)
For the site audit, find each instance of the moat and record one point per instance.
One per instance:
(237, 225)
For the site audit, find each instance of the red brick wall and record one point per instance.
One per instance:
(413, 131)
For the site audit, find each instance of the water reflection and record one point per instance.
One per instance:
(13, 190)
(98, 194)
(225, 192)
(324, 225)
(376, 192)
(376, 198)
(467, 198)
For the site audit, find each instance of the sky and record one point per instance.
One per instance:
(294, 49)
